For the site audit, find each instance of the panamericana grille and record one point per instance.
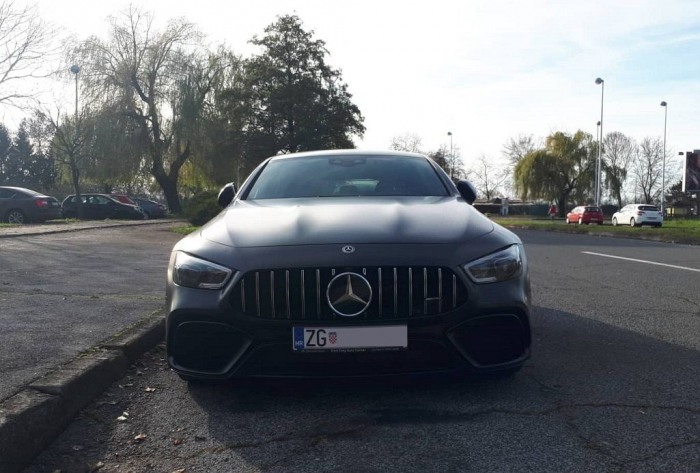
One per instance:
(398, 292)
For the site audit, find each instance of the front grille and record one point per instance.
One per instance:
(400, 292)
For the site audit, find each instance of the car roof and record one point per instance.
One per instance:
(347, 152)
(23, 189)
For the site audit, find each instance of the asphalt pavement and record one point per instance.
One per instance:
(73, 327)
(37, 409)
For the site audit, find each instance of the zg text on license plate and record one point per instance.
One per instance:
(349, 338)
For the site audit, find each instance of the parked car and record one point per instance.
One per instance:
(151, 208)
(342, 263)
(20, 205)
(100, 206)
(125, 199)
(638, 215)
(585, 214)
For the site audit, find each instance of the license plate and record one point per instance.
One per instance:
(349, 338)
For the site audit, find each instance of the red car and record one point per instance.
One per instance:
(585, 214)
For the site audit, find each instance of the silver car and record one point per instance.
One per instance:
(347, 263)
(637, 215)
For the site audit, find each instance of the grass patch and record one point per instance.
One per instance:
(184, 230)
(676, 230)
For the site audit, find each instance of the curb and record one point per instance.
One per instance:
(24, 231)
(31, 419)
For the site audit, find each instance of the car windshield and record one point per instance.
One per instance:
(592, 209)
(350, 175)
(649, 208)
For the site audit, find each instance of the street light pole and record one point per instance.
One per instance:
(600, 82)
(663, 165)
(452, 162)
(75, 69)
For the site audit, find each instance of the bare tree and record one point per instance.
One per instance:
(488, 178)
(516, 149)
(410, 142)
(25, 42)
(647, 169)
(69, 143)
(620, 150)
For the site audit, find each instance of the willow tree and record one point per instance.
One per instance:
(562, 170)
(149, 75)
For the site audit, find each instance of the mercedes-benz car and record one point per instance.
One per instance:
(347, 263)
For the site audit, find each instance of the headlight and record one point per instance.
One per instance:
(496, 267)
(193, 272)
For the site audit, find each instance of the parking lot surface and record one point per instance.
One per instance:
(66, 291)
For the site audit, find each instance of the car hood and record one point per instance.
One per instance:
(318, 221)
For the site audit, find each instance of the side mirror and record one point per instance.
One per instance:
(226, 194)
(467, 191)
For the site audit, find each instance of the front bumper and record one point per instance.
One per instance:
(216, 346)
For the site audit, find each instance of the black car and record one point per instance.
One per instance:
(20, 205)
(347, 263)
(100, 206)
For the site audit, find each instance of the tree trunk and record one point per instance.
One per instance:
(75, 178)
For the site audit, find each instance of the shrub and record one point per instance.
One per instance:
(201, 208)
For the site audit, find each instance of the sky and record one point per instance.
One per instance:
(485, 70)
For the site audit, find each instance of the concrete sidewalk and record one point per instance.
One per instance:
(33, 417)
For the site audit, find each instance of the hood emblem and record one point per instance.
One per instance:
(349, 294)
(347, 249)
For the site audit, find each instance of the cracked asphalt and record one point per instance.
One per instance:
(613, 386)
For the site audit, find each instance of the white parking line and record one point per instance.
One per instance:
(642, 261)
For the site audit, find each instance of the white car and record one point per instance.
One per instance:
(637, 215)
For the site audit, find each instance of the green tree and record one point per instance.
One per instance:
(216, 81)
(21, 164)
(296, 101)
(564, 168)
(5, 145)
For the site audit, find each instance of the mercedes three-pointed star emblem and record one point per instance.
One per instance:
(349, 294)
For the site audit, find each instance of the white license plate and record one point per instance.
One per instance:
(349, 338)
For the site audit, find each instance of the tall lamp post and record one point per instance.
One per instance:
(600, 82)
(452, 162)
(663, 165)
(75, 69)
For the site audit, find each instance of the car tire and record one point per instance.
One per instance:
(15, 216)
(614, 222)
(633, 223)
